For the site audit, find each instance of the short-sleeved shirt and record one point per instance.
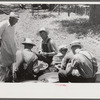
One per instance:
(83, 64)
(8, 46)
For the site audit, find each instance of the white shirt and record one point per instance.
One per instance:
(8, 46)
(29, 56)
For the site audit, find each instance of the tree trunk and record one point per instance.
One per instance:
(95, 14)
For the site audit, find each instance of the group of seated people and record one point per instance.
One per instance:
(27, 63)
(76, 64)
(71, 63)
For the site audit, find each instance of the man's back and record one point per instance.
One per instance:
(29, 56)
(26, 61)
(84, 64)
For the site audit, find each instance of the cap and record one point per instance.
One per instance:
(76, 43)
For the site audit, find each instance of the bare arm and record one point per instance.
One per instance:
(67, 59)
(54, 47)
(19, 59)
(64, 62)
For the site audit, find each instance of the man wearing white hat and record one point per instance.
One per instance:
(26, 62)
(8, 46)
(48, 47)
(83, 66)
(62, 50)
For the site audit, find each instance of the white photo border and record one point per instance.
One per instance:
(50, 90)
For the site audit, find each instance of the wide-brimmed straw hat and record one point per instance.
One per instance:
(28, 41)
(43, 29)
(76, 43)
(14, 15)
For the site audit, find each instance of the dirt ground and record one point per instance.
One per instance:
(29, 25)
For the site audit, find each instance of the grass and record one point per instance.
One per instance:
(63, 30)
(81, 27)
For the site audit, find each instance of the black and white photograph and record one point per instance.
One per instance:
(49, 43)
(50, 50)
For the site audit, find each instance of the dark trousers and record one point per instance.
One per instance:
(64, 78)
(24, 74)
(8, 75)
(46, 59)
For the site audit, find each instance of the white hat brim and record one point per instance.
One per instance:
(24, 43)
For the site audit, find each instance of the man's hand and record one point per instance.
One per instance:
(36, 70)
(43, 53)
(75, 72)
(69, 68)
(14, 68)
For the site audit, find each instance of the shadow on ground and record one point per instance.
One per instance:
(81, 27)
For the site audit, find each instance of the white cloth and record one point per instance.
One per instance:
(8, 46)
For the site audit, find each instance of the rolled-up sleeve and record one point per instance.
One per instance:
(64, 62)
